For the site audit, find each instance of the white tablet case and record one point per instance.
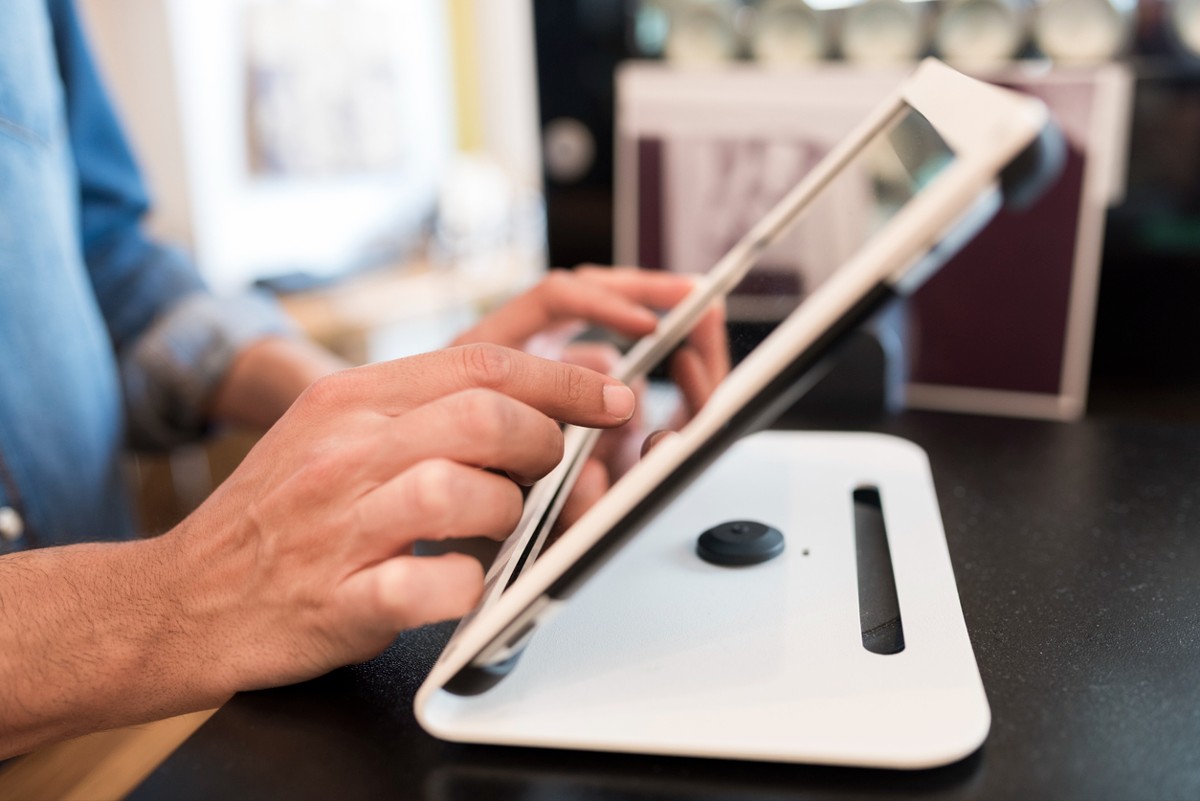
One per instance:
(663, 653)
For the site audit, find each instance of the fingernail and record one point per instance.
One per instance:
(619, 401)
(655, 439)
(521, 481)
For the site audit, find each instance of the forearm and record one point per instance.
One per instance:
(96, 636)
(267, 377)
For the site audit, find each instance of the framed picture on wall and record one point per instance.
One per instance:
(1004, 328)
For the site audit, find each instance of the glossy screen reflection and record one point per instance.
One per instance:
(883, 176)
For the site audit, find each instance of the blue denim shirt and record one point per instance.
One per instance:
(105, 336)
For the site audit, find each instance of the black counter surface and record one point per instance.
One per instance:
(1077, 553)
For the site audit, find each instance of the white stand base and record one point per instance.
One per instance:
(663, 653)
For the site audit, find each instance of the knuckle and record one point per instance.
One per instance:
(556, 287)
(327, 391)
(486, 416)
(392, 593)
(487, 365)
(432, 489)
(494, 508)
(557, 278)
(572, 385)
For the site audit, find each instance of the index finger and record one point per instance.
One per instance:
(568, 393)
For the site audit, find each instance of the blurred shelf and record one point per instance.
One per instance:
(407, 309)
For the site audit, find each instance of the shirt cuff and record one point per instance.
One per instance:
(173, 369)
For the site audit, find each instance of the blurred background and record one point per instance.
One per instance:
(393, 168)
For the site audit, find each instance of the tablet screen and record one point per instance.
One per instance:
(675, 379)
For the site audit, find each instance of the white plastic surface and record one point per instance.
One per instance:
(663, 653)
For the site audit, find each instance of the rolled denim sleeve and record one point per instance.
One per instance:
(173, 339)
(174, 367)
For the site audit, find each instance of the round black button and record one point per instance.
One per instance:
(739, 543)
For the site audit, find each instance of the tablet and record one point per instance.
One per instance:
(912, 184)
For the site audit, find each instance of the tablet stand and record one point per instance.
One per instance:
(663, 653)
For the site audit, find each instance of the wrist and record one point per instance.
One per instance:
(267, 376)
(200, 591)
(173, 660)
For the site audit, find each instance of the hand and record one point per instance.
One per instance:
(303, 557)
(302, 560)
(621, 299)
